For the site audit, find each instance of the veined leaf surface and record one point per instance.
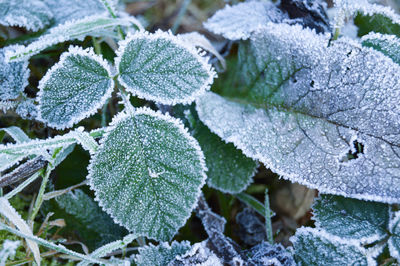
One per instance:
(74, 88)
(389, 45)
(326, 117)
(162, 254)
(147, 173)
(162, 68)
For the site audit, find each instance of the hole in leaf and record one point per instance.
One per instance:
(312, 83)
(353, 154)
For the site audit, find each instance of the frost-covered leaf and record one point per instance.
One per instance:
(365, 221)
(27, 109)
(161, 254)
(267, 254)
(74, 88)
(327, 117)
(13, 75)
(389, 45)
(241, 20)
(71, 30)
(11, 214)
(316, 247)
(162, 68)
(229, 170)
(147, 173)
(67, 10)
(8, 160)
(8, 250)
(94, 226)
(30, 14)
(199, 254)
(394, 240)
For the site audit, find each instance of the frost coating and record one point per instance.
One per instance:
(389, 45)
(8, 250)
(241, 20)
(67, 10)
(160, 255)
(394, 240)
(162, 68)
(71, 30)
(134, 146)
(316, 103)
(30, 14)
(74, 88)
(316, 247)
(364, 221)
(13, 75)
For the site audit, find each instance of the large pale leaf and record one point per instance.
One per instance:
(67, 10)
(365, 221)
(162, 254)
(30, 14)
(147, 173)
(241, 20)
(71, 30)
(162, 68)
(327, 117)
(316, 247)
(13, 75)
(74, 88)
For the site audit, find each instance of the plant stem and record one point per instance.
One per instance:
(268, 224)
(180, 15)
(23, 185)
(96, 45)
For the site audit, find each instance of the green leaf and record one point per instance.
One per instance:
(71, 30)
(13, 76)
(229, 170)
(394, 240)
(388, 45)
(94, 226)
(74, 88)
(365, 221)
(147, 173)
(323, 116)
(162, 68)
(380, 23)
(316, 247)
(162, 254)
(30, 14)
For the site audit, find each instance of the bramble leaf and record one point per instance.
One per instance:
(394, 240)
(13, 76)
(30, 14)
(71, 30)
(327, 117)
(388, 45)
(74, 88)
(365, 221)
(241, 20)
(147, 173)
(161, 254)
(316, 247)
(67, 10)
(162, 68)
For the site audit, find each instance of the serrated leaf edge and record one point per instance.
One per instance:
(179, 41)
(392, 224)
(166, 117)
(72, 51)
(337, 241)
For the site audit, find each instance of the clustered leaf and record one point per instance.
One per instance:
(147, 173)
(74, 88)
(162, 68)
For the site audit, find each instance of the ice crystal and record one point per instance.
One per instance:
(161, 254)
(241, 20)
(74, 88)
(147, 173)
(163, 68)
(327, 117)
(27, 109)
(30, 14)
(364, 221)
(8, 250)
(13, 75)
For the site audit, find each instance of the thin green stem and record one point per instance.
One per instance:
(96, 45)
(268, 224)
(180, 15)
(125, 99)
